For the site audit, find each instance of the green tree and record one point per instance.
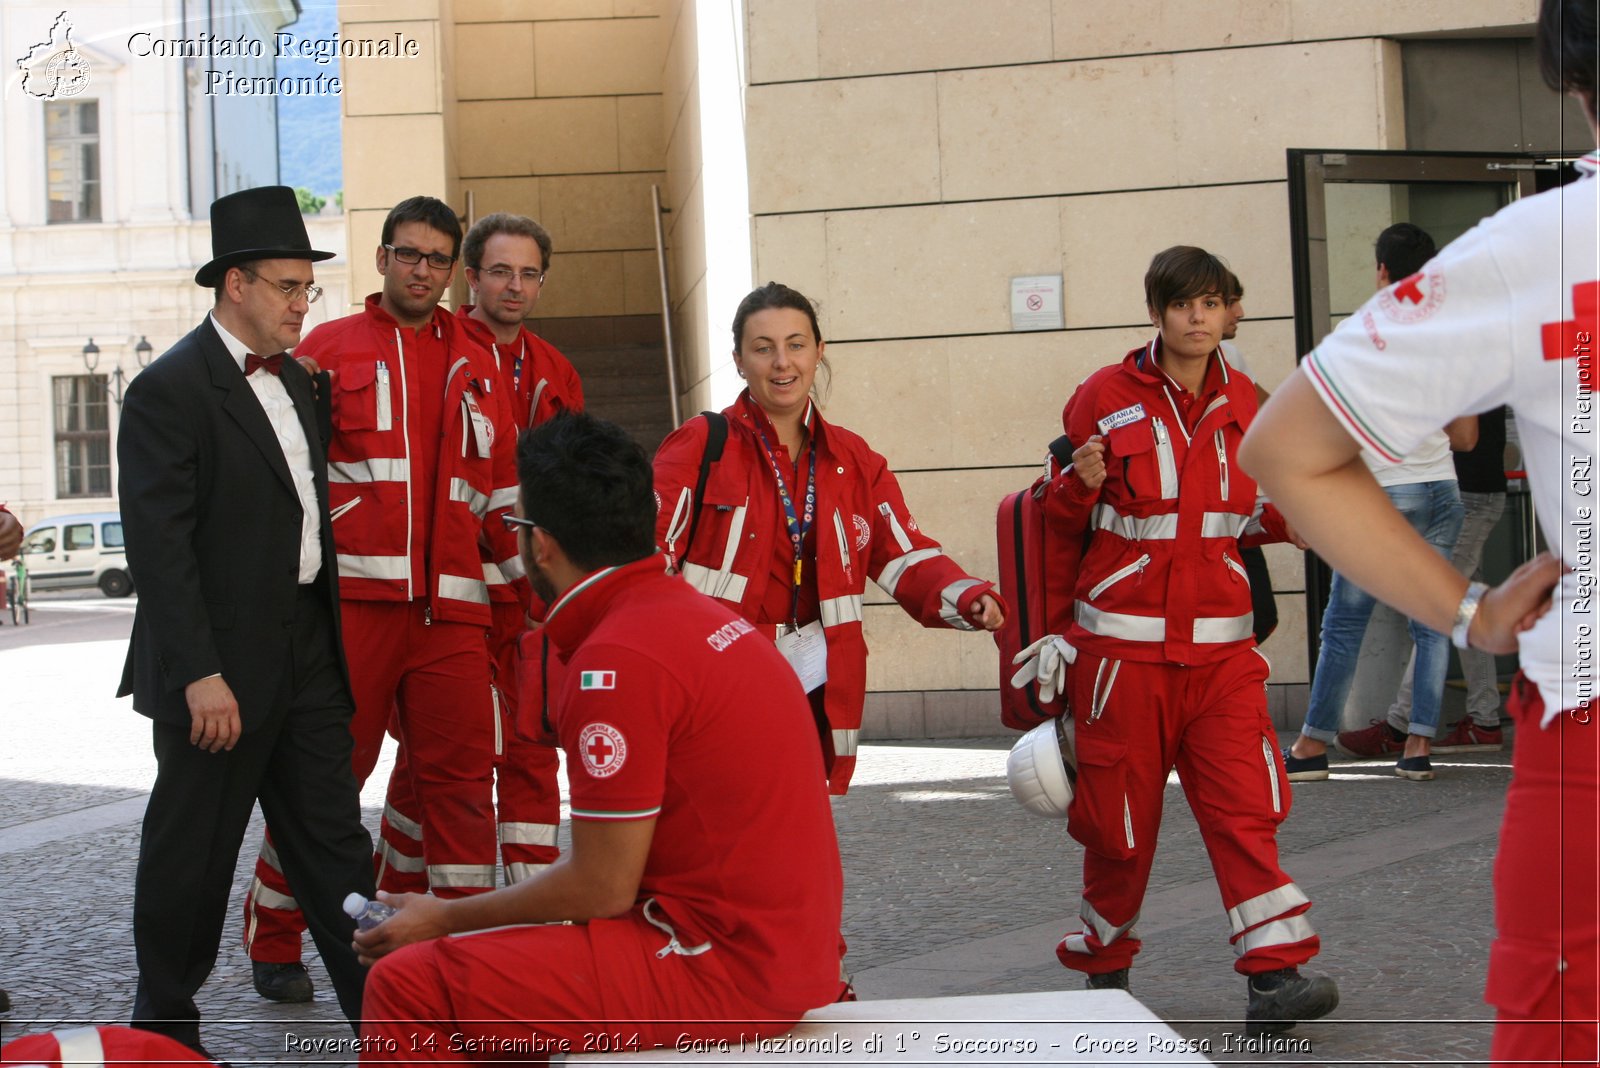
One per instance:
(310, 203)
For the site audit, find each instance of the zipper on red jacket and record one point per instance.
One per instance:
(1222, 462)
(405, 433)
(1120, 574)
(1237, 569)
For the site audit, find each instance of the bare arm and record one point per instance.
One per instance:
(597, 878)
(1312, 470)
(1463, 433)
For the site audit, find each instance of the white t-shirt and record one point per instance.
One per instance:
(1499, 316)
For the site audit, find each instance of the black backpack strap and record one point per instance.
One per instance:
(716, 438)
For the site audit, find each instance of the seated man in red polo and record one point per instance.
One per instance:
(703, 882)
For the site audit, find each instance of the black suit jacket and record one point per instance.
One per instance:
(212, 522)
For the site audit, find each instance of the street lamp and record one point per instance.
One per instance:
(91, 360)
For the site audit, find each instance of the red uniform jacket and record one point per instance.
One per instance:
(376, 423)
(863, 530)
(1161, 580)
(536, 382)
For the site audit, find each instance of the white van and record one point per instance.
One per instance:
(78, 551)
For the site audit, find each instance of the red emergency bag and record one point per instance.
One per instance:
(1037, 575)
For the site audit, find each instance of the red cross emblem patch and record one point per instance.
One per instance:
(603, 750)
(1413, 299)
(1573, 339)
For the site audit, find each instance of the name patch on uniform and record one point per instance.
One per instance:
(603, 749)
(597, 680)
(1131, 414)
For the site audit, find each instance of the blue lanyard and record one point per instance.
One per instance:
(799, 526)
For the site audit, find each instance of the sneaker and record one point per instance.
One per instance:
(1305, 769)
(1468, 737)
(1280, 999)
(1378, 740)
(1117, 980)
(1417, 768)
(286, 983)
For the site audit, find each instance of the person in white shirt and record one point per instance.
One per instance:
(1506, 314)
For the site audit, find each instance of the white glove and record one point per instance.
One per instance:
(1046, 661)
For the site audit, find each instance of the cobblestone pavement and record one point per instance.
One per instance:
(950, 887)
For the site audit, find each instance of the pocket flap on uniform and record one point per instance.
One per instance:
(1098, 750)
(1521, 974)
(357, 374)
(1132, 439)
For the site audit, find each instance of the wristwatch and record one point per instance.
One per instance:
(1466, 612)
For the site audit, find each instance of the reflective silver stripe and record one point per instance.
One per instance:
(1260, 909)
(1284, 932)
(270, 855)
(461, 875)
(1134, 528)
(1214, 405)
(1118, 575)
(714, 583)
(1127, 820)
(679, 523)
(494, 576)
(844, 741)
(463, 491)
(402, 823)
(1104, 929)
(1222, 525)
(1236, 567)
(392, 568)
(894, 526)
(519, 870)
(1218, 629)
(538, 391)
(80, 1047)
(1272, 774)
(457, 588)
(528, 834)
(375, 469)
(950, 598)
(1076, 943)
(266, 897)
(1253, 525)
(895, 569)
(844, 542)
(1120, 624)
(511, 567)
(1165, 461)
(504, 497)
(343, 508)
(390, 857)
(1222, 452)
(1105, 677)
(845, 609)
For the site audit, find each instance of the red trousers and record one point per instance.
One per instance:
(1134, 722)
(1544, 967)
(523, 993)
(528, 799)
(432, 681)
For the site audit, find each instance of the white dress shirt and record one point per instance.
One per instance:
(269, 389)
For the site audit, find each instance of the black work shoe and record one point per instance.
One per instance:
(1282, 998)
(281, 982)
(1117, 980)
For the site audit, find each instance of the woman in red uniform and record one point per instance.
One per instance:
(1167, 674)
(796, 516)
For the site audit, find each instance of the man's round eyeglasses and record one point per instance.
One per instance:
(504, 275)
(405, 254)
(291, 292)
(512, 522)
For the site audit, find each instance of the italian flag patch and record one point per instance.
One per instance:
(597, 680)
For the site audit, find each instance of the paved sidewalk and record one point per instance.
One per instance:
(950, 887)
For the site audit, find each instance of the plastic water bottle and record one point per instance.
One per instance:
(367, 914)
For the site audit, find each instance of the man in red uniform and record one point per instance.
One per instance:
(506, 258)
(703, 882)
(422, 454)
(1167, 673)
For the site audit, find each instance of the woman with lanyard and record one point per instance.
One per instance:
(1505, 314)
(794, 518)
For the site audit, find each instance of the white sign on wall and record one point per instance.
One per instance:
(1036, 302)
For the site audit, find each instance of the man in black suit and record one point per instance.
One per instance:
(235, 653)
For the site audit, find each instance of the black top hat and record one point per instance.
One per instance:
(256, 224)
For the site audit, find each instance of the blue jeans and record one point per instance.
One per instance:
(1434, 510)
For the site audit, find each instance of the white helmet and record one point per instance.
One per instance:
(1041, 769)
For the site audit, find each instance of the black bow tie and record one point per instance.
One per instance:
(272, 364)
